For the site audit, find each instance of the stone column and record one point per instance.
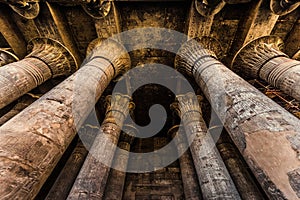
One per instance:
(7, 57)
(189, 177)
(21, 104)
(214, 179)
(267, 135)
(67, 176)
(32, 142)
(116, 181)
(263, 59)
(237, 168)
(48, 59)
(92, 178)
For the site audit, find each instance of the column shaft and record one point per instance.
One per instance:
(116, 181)
(68, 174)
(238, 169)
(22, 103)
(263, 59)
(92, 178)
(11, 33)
(189, 177)
(214, 179)
(48, 59)
(32, 142)
(266, 134)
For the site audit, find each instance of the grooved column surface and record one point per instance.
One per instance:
(92, 178)
(190, 182)
(33, 141)
(263, 59)
(214, 179)
(48, 59)
(267, 135)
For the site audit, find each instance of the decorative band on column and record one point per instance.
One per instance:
(250, 59)
(7, 57)
(48, 59)
(120, 63)
(197, 53)
(37, 137)
(54, 54)
(118, 107)
(283, 7)
(266, 134)
(263, 58)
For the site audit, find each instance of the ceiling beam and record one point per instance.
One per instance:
(198, 25)
(109, 24)
(292, 42)
(64, 30)
(11, 34)
(259, 21)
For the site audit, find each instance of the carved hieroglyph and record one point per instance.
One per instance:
(213, 176)
(48, 59)
(266, 134)
(263, 59)
(32, 143)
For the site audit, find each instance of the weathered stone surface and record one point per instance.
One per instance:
(48, 58)
(22, 103)
(256, 124)
(258, 21)
(116, 180)
(32, 142)
(92, 178)
(263, 59)
(67, 176)
(237, 168)
(190, 182)
(214, 179)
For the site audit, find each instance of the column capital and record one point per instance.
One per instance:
(112, 51)
(249, 60)
(194, 50)
(118, 107)
(57, 57)
(97, 9)
(187, 107)
(283, 7)
(29, 9)
(7, 57)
